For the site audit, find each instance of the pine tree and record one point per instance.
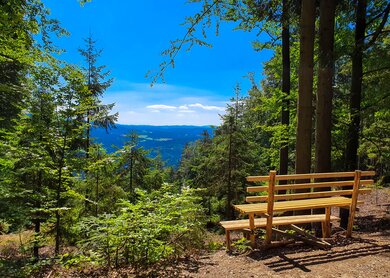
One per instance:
(96, 114)
(133, 165)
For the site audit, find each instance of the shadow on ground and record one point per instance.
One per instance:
(371, 223)
(286, 263)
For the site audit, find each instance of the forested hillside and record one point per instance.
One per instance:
(167, 141)
(68, 201)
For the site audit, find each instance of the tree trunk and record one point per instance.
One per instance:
(356, 96)
(131, 190)
(229, 209)
(305, 90)
(37, 230)
(58, 216)
(324, 94)
(97, 195)
(283, 161)
(88, 135)
(324, 87)
(58, 197)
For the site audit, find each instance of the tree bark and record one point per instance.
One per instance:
(283, 161)
(37, 230)
(323, 134)
(305, 92)
(325, 87)
(58, 216)
(229, 209)
(305, 89)
(356, 96)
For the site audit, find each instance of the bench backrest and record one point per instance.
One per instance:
(324, 185)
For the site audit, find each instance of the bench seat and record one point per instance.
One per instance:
(321, 191)
(261, 208)
(277, 221)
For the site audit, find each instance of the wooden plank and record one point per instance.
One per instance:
(367, 173)
(367, 182)
(323, 227)
(327, 223)
(252, 228)
(352, 210)
(314, 185)
(257, 188)
(319, 194)
(307, 235)
(228, 245)
(309, 185)
(257, 178)
(310, 176)
(252, 199)
(301, 238)
(270, 206)
(276, 221)
(297, 196)
(323, 175)
(261, 208)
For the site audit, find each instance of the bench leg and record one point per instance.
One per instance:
(352, 208)
(326, 224)
(350, 222)
(268, 235)
(228, 243)
(323, 226)
(252, 227)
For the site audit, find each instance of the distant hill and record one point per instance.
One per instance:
(167, 140)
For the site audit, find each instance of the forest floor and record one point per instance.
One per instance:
(367, 254)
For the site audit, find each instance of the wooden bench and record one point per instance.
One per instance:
(328, 194)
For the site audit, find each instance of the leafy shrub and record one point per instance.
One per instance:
(159, 225)
(214, 245)
(242, 245)
(4, 227)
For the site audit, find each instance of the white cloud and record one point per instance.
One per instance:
(207, 107)
(183, 107)
(161, 107)
(139, 104)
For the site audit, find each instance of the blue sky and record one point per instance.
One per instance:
(133, 34)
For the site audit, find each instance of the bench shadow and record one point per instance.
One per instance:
(371, 223)
(286, 262)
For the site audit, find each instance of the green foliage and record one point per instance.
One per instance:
(242, 246)
(159, 225)
(4, 227)
(126, 208)
(214, 246)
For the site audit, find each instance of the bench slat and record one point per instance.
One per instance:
(308, 185)
(298, 196)
(312, 176)
(277, 221)
(261, 208)
(322, 198)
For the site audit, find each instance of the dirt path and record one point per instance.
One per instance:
(366, 255)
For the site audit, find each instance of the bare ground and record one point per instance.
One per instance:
(367, 254)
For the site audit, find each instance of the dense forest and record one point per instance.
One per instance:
(322, 106)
